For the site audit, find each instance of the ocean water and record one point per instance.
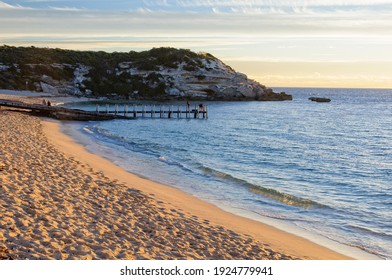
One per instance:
(321, 170)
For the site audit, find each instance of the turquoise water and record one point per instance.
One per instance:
(324, 168)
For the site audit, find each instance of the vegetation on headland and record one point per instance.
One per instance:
(145, 74)
(145, 60)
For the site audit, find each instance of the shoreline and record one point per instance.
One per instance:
(287, 243)
(75, 132)
(54, 206)
(276, 236)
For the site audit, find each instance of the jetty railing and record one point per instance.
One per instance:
(154, 111)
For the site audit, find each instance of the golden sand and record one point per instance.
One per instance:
(57, 201)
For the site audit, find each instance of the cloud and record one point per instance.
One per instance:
(220, 6)
(65, 9)
(249, 7)
(278, 3)
(5, 6)
(242, 22)
(329, 81)
(43, 1)
(216, 28)
(157, 2)
(272, 7)
(266, 33)
(310, 74)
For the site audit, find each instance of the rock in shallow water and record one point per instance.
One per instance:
(319, 99)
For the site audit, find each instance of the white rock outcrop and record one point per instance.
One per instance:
(46, 88)
(211, 80)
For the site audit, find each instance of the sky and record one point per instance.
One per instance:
(279, 43)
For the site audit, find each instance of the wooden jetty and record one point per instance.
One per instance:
(154, 111)
(110, 112)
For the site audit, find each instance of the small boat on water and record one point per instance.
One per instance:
(319, 99)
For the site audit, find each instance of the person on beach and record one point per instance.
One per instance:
(49, 104)
(44, 102)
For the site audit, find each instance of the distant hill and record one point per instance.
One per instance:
(157, 74)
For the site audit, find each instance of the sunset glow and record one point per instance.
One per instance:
(335, 43)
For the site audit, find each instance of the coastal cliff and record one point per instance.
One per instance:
(157, 74)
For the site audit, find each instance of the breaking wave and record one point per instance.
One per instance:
(276, 195)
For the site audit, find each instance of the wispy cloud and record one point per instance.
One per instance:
(5, 6)
(65, 9)
(324, 80)
(242, 22)
(45, 1)
(264, 31)
(165, 3)
(218, 6)
(277, 2)
(267, 3)
(265, 7)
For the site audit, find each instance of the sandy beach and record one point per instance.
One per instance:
(58, 201)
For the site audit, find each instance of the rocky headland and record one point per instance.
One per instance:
(157, 74)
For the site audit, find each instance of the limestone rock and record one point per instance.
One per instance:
(46, 88)
(158, 74)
